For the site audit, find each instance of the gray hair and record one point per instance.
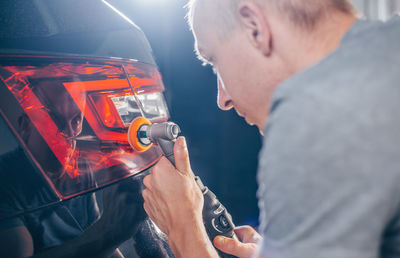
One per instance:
(302, 13)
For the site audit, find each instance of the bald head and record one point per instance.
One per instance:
(304, 14)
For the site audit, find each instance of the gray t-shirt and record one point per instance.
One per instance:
(329, 173)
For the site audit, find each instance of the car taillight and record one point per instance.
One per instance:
(118, 109)
(80, 110)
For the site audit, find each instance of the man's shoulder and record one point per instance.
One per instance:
(368, 54)
(356, 78)
(345, 105)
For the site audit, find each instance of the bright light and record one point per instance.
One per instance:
(152, 2)
(155, 1)
(121, 14)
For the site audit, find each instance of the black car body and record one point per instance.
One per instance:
(73, 75)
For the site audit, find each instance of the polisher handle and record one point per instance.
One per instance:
(168, 149)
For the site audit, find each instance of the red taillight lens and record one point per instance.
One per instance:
(81, 110)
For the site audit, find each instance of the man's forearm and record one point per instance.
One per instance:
(192, 242)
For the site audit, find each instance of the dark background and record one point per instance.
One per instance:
(223, 148)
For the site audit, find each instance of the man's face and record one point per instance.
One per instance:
(245, 82)
(227, 65)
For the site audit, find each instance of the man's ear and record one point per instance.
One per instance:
(252, 19)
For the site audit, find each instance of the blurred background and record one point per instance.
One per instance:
(377, 9)
(223, 148)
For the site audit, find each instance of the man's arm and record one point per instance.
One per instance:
(174, 202)
(192, 242)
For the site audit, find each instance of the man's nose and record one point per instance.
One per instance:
(224, 101)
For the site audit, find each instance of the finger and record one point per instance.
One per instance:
(152, 210)
(247, 234)
(147, 181)
(182, 162)
(146, 195)
(148, 209)
(234, 247)
(148, 202)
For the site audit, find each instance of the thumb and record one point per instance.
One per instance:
(234, 247)
(182, 162)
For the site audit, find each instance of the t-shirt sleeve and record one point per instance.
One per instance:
(325, 189)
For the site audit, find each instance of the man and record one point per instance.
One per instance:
(323, 88)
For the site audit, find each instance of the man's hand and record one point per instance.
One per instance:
(172, 198)
(246, 247)
(174, 202)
